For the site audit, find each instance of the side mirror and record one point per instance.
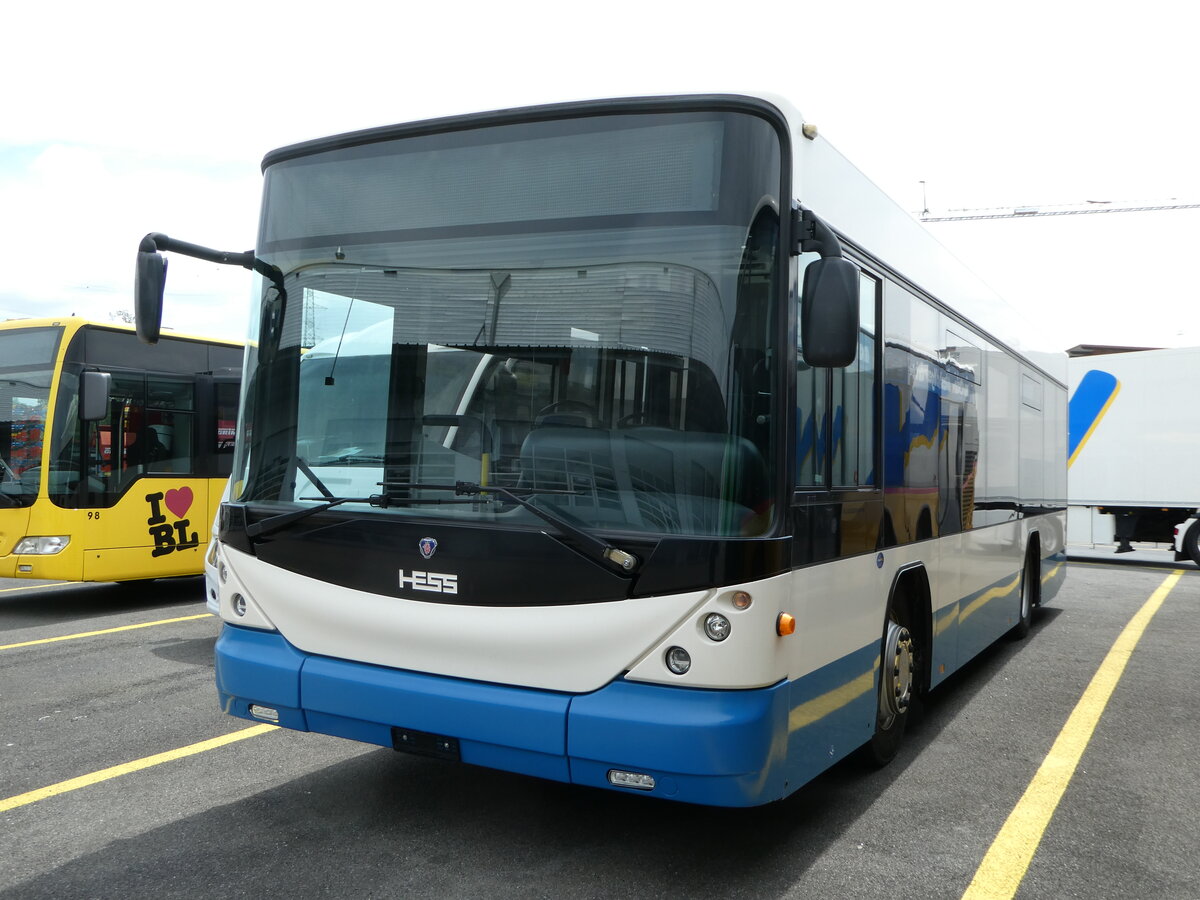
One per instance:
(148, 291)
(93, 395)
(829, 313)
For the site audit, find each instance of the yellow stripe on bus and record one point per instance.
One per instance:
(146, 762)
(83, 634)
(1004, 866)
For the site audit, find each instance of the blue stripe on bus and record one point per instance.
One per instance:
(1087, 406)
(717, 747)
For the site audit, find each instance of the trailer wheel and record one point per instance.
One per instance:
(1191, 542)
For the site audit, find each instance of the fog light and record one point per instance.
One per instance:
(266, 713)
(679, 660)
(716, 626)
(741, 600)
(239, 604)
(636, 780)
(41, 546)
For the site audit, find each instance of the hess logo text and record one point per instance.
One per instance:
(434, 582)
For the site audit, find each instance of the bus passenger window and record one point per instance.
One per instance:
(170, 419)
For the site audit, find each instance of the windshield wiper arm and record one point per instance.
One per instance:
(274, 523)
(312, 476)
(597, 549)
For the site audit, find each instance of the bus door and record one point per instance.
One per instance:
(147, 507)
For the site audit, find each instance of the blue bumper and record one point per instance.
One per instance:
(721, 748)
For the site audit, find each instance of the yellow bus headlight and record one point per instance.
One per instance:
(41, 546)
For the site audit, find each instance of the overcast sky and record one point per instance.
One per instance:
(118, 119)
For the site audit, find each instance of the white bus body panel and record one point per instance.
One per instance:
(574, 648)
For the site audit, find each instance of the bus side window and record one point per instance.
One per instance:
(226, 426)
(170, 425)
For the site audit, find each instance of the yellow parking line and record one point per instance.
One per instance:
(1004, 866)
(83, 634)
(34, 587)
(74, 784)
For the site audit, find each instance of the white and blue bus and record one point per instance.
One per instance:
(639, 443)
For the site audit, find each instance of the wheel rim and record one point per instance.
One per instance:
(895, 693)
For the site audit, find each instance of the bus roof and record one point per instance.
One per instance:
(74, 323)
(824, 181)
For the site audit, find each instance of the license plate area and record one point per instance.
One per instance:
(422, 743)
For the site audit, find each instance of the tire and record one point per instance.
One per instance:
(897, 684)
(1191, 542)
(1027, 592)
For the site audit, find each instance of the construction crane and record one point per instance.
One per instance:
(1088, 207)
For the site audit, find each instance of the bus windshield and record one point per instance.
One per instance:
(580, 309)
(26, 373)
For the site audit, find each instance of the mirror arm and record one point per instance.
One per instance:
(154, 242)
(810, 234)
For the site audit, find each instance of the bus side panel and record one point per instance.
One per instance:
(158, 529)
(1054, 573)
(832, 713)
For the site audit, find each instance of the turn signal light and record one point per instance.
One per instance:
(785, 624)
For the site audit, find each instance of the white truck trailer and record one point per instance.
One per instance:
(1133, 448)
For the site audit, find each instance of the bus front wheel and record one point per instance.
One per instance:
(897, 685)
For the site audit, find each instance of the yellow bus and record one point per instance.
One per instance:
(113, 453)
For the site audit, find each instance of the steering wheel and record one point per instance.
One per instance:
(569, 407)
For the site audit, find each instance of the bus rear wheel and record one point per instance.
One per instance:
(1028, 593)
(897, 686)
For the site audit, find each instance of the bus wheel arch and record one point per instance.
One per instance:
(904, 662)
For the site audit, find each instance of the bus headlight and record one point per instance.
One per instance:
(679, 660)
(716, 626)
(41, 546)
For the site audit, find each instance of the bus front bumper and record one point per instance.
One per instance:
(720, 748)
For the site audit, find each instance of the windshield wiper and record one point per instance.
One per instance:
(595, 547)
(274, 523)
